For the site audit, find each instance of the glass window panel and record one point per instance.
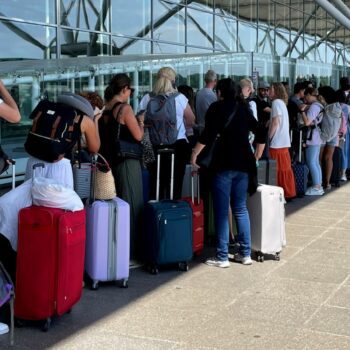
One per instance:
(169, 22)
(347, 56)
(282, 17)
(28, 41)
(281, 42)
(85, 14)
(128, 19)
(247, 10)
(296, 48)
(266, 12)
(204, 5)
(199, 28)
(297, 20)
(225, 33)
(16, 133)
(247, 37)
(191, 49)
(310, 26)
(226, 7)
(309, 48)
(309, 6)
(167, 48)
(128, 46)
(40, 11)
(340, 56)
(330, 53)
(265, 40)
(77, 43)
(321, 44)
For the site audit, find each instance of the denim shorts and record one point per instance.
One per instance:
(333, 142)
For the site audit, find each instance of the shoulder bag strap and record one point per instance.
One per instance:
(122, 104)
(230, 118)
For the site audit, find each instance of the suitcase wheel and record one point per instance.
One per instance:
(19, 323)
(124, 284)
(183, 266)
(260, 257)
(154, 270)
(94, 285)
(47, 324)
(277, 256)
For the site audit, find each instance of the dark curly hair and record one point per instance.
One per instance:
(93, 97)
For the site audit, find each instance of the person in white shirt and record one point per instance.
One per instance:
(247, 89)
(280, 139)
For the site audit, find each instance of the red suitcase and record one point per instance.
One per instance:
(50, 262)
(197, 207)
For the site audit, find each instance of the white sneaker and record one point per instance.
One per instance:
(217, 263)
(313, 191)
(245, 260)
(4, 328)
(344, 178)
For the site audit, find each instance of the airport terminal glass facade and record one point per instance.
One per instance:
(48, 46)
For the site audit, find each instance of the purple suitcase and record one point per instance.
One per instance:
(108, 241)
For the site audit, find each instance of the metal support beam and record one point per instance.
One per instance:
(334, 12)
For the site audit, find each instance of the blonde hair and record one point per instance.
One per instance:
(246, 82)
(164, 84)
(280, 92)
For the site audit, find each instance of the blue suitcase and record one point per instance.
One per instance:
(168, 229)
(301, 171)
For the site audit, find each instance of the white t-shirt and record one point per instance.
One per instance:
(252, 105)
(180, 103)
(281, 138)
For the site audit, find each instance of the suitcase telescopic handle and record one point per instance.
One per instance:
(193, 174)
(300, 145)
(35, 166)
(164, 151)
(13, 163)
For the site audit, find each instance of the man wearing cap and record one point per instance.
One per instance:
(204, 98)
(263, 103)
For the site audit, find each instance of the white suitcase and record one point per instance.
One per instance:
(267, 221)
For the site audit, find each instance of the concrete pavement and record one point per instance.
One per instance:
(300, 302)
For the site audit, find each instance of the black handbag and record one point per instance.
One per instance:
(208, 155)
(127, 149)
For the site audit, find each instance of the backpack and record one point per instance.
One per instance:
(160, 118)
(55, 131)
(331, 118)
